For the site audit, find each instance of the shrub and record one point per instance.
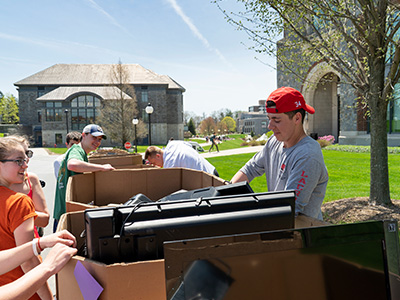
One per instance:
(326, 140)
(323, 143)
(253, 143)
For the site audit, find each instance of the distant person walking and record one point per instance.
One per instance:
(213, 140)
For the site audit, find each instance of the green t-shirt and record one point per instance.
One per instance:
(77, 152)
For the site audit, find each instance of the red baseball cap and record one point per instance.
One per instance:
(287, 99)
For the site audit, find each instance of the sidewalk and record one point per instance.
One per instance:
(240, 150)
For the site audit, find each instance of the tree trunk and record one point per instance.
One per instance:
(379, 170)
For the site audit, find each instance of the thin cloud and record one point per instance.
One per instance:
(108, 16)
(196, 31)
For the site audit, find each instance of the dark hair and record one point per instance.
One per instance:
(73, 136)
(292, 113)
(152, 150)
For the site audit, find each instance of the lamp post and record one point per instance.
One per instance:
(135, 121)
(66, 118)
(149, 111)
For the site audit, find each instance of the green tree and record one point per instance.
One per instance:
(9, 109)
(230, 124)
(359, 39)
(191, 127)
(118, 111)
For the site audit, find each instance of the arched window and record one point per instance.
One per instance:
(84, 110)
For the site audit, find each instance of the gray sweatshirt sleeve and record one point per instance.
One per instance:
(255, 167)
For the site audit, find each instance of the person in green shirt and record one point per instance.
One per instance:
(75, 162)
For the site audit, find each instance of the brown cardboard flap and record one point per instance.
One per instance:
(303, 221)
(118, 160)
(81, 188)
(162, 182)
(76, 206)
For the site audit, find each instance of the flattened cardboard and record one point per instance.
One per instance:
(115, 187)
(118, 160)
(123, 281)
(303, 221)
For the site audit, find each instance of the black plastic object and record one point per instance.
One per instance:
(134, 233)
(238, 188)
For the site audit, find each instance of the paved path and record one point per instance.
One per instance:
(42, 165)
(240, 150)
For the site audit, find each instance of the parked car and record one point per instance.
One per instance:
(196, 146)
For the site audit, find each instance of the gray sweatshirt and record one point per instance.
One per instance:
(300, 168)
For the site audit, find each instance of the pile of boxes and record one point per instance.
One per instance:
(302, 263)
(139, 280)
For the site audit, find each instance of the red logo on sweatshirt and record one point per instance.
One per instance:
(301, 183)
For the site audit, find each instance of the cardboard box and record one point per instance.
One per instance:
(118, 161)
(122, 281)
(337, 262)
(303, 221)
(115, 187)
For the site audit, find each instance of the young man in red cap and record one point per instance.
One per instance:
(291, 160)
(75, 162)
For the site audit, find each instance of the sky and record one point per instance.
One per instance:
(188, 40)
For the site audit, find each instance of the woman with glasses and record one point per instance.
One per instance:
(17, 211)
(31, 186)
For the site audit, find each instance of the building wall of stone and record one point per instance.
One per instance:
(175, 131)
(167, 104)
(348, 101)
(28, 106)
(175, 107)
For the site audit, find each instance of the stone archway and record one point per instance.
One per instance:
(321, 90)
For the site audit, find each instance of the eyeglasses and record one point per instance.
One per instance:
(19, 162)
(29, 153)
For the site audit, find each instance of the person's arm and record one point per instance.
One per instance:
(12, 258)
(304, 178)
(39, 201)
(25, 286)
(23, 234)
(253, 168)
(80, 166)
(56, 165)
(239, 176)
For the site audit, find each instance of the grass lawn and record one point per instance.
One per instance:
(348, 173)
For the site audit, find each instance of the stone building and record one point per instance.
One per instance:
(338, 111)
(255, 120)
(68, 96)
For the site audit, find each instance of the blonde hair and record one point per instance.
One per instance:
(19, 138)
(7, 146)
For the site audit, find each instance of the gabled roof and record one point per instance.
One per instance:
(95, 74)
(63, 92)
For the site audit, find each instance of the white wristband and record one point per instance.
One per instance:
(34, 247)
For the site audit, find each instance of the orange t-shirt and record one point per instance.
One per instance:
(15, 208)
